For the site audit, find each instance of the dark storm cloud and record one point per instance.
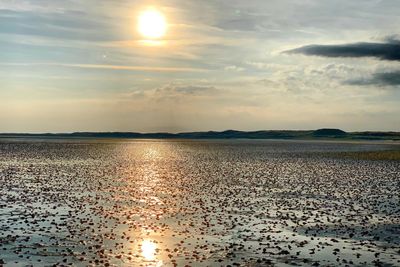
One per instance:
(379, 79)
(388, 50)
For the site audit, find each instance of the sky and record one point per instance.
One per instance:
(69, 65)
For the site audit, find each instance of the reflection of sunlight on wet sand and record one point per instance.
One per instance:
(151, 168)
(149, 249)
(152, 153)
(145, 182)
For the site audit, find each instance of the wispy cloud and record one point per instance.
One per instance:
(378, 79)
(109, 67)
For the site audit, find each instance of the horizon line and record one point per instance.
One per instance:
(199, 131)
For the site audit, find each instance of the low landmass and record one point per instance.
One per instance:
(229, 134)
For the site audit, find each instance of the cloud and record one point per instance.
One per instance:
(108, 67)
(388, 50)
(69, 25)
(233, 68)
(378, 79)
(173, 90)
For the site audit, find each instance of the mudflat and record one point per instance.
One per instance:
(198, 203)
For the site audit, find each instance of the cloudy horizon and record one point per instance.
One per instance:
(69, 66)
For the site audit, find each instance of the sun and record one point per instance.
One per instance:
(152, 24)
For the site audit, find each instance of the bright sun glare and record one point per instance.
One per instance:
(148, 249)
(152, 24)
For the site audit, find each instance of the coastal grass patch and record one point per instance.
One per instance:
(371, 155)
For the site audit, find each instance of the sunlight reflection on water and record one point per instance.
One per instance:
(149, 249)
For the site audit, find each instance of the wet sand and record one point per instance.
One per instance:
(197, 203)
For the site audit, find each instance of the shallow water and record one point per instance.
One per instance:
(196, 203)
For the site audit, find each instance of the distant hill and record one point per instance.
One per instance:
(329, 133)
(325, 133)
